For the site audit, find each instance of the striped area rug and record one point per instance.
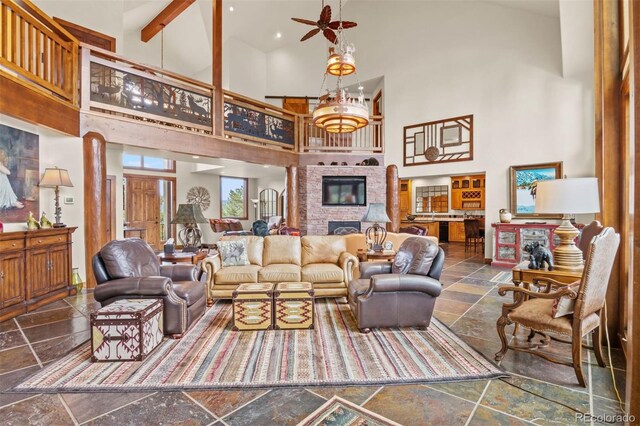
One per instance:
(211, 355)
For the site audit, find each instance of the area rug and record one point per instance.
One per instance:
(211, 355)
(340, 412)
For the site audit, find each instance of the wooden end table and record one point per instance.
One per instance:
(386, 255)
(183, 257)
(522, 274)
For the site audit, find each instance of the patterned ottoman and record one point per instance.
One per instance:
(293, 305)
(126, 330)
(252, 306)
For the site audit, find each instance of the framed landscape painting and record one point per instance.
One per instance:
(19, 175)
(524, 182)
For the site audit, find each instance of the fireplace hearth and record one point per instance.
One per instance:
(343, 227)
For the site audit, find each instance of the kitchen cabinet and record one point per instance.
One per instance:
(405, 198)
(35, 269)
(456, 232)
(467, 192)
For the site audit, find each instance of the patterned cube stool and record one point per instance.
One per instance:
(252, 306)
(293, 305)
(126, 330)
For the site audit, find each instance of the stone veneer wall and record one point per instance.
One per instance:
(314, 217)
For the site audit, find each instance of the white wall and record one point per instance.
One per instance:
(54, 152)
(244, 70)
(446, 59)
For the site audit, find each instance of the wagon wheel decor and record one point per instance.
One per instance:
(199, 195)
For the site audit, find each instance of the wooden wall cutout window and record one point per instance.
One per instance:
(434, 198)
(441, 141)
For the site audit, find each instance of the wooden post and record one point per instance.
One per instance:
(393, 198)
(218, 100)
(293, 197)
(95, 189)
(607, 137)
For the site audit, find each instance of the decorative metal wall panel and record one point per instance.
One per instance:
(257, 124)
(439, 141)
(139, 94)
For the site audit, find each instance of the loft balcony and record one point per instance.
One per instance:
(43, 68)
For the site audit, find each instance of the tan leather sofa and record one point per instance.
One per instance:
(321, 260)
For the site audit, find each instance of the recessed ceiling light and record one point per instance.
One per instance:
(195, 156)
(266, 167)
(278, 35)
(231, 9)
(221, 173)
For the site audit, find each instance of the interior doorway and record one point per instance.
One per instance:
(149, 205)
(110, 196)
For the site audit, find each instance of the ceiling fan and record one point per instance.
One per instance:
(325, 25)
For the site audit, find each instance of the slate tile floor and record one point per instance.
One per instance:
(470, 305)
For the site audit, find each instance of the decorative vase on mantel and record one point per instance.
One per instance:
(76, 280)
(505, 216)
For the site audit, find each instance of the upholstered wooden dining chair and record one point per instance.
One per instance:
(587, 234)
(551, 312)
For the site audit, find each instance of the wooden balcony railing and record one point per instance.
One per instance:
(366, 139)
(115, 85)
(36, 48)
(252, 121)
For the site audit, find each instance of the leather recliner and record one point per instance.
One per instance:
(129, 268)
(401, 293)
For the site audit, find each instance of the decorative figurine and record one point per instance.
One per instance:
(538, 256)
(32, 223)
(44, 222)
(505, 216)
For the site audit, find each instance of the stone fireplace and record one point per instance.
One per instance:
(341, 227)
(315, 217)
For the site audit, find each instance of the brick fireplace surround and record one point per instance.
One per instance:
(314, 217)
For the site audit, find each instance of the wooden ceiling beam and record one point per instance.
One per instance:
(168, 14)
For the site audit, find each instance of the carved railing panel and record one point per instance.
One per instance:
(133, 92)
(253, 121)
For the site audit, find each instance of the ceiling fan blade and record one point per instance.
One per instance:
(330, 35)
(348, 24)
(345, 24)
(325, 15)
(310, 34)
(304, 21)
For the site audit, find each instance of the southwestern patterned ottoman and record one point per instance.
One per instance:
(293, 305)
(252, 306)
(126, 330)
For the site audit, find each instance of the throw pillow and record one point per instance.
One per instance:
(563, 305)
(233, 253)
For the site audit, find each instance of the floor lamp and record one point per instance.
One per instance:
(566, 197)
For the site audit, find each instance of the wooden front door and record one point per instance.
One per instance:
(143, 207)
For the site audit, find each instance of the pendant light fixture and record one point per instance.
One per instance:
(337, 112)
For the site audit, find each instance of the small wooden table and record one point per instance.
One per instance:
(182, 257)
(365, 256)
(522, 274)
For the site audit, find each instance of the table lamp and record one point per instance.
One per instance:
(189, 215)
(376, 213)
(567, 196)
(55, 178)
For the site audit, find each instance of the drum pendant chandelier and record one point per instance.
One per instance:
(337, 112)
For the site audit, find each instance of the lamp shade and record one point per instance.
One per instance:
(55, 177)
(568, 196)
(189, 213)
(376, 213)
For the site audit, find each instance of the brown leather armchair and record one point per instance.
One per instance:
(401, 293)
(129, 268)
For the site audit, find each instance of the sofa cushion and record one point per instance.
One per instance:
(255, 245)
(322, 273)
(279, 273)
(281, 249)
(233, 253)
(190, 291)
(131, 257)
(237, 274)
(222, 225)
(322, 249)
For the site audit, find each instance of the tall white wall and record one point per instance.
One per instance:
(55, 151)
(446, 59)
(244, 70)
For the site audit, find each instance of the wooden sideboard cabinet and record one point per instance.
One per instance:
(35, 269)
(510, 239)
